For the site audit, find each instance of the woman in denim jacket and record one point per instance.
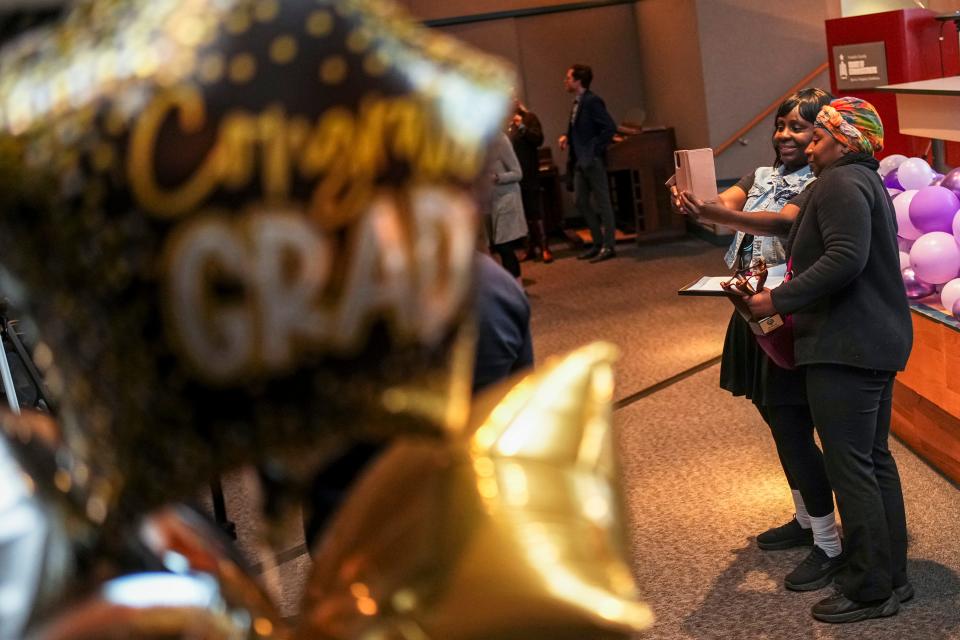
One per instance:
(762, 208)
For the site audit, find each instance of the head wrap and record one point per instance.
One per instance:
(853, 123)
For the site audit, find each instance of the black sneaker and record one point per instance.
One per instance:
(815, 572)
(904, 592)
(785, 537)
(840, 608)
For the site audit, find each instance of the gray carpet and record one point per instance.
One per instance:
(631, 301)
(702, 479)
(701, 474)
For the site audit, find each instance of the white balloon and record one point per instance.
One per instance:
(915, 173)
(890, 163)
(950, 294)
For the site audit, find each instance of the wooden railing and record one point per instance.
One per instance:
(760, 117)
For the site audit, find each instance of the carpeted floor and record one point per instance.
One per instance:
(700, 471)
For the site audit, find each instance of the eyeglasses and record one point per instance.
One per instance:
(750, 280)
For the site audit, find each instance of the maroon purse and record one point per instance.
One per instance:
(774, 333)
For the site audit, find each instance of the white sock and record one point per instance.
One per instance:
(825, 534)
(802, 516)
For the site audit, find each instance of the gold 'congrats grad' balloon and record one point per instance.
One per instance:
(243, 226)
(512, 532)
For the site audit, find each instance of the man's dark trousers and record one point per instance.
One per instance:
(591, 179)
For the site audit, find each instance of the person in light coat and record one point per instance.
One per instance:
(505, 222)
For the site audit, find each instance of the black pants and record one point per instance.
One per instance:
(530, 195)
(801, 459)
(508, 257)
(851, 408)
(332, 484)
(591, 180)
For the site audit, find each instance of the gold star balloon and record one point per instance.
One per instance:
(512, 531)
(243, 227)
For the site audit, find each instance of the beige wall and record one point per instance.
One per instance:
(542, 47)
(779, 46)
(672, 69)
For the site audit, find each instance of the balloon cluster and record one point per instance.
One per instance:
(927, 206)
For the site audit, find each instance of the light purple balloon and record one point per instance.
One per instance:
(901, 204)
(952, 181)
(890, 181)
(890, 163)
(904, 260)
(915, 173)
(935, 257)
(916, 288)
(950, 294)
(933, 209)
(937, 179)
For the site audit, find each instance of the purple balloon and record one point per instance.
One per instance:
(952, 181)
(916, 288)
(892, 182)
(933, 208)
(937, 179)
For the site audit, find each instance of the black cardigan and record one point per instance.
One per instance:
(847, 296)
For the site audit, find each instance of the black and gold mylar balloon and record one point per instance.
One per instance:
(242, 226)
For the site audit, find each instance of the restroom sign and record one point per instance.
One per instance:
(860, 66)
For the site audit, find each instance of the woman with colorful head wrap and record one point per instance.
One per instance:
(852, 333)
(761, 207)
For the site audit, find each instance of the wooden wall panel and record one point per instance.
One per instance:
(928, 430)
(926, 400)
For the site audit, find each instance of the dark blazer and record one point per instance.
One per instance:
(847, 297)
(591, 131)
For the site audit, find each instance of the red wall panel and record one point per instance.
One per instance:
(913, 48)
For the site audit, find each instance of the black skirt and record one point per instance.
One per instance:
(745, 370)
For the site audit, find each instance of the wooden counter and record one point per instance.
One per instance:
(926, 399)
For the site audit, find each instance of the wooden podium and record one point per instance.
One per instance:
(638, 167)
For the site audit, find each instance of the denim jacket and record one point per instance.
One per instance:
(770, 192)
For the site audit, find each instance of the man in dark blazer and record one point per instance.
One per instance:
(589, 132)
